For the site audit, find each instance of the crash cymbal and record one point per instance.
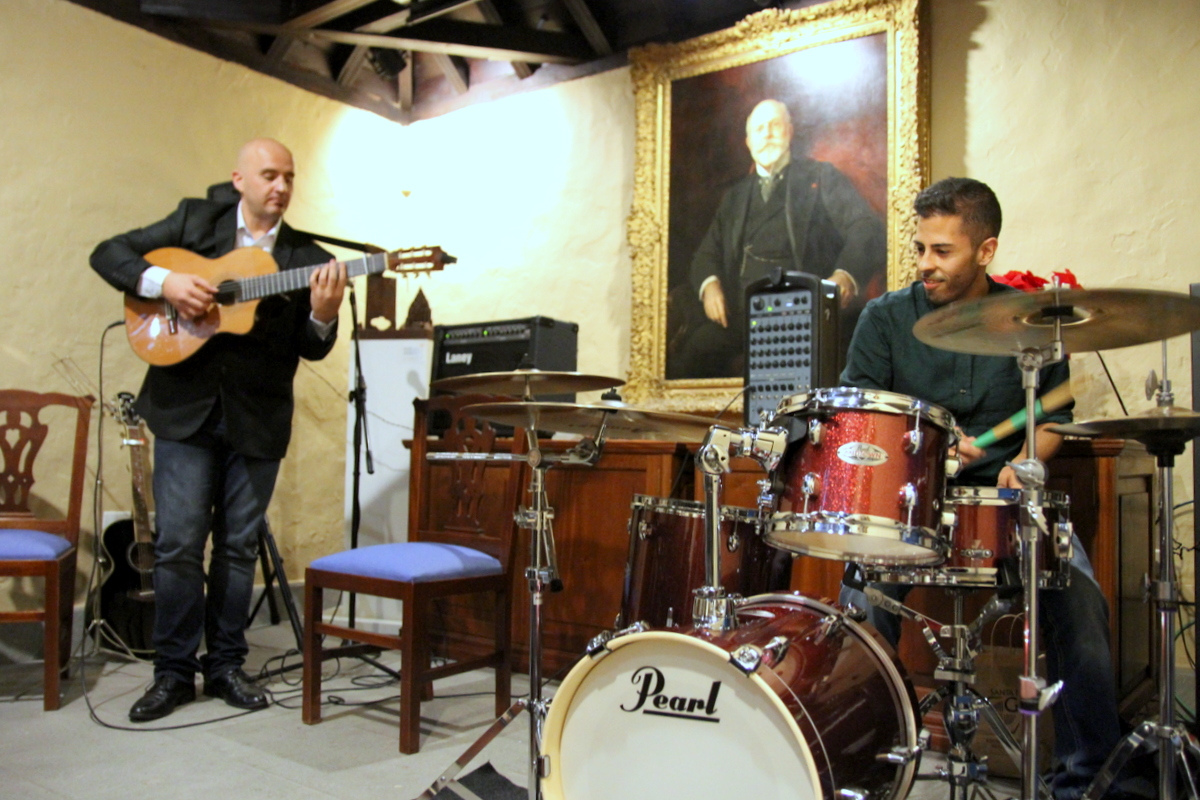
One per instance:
(526, 382)
(623, 422)
(1167, 420)
(1092, 319)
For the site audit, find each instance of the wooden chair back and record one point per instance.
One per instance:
(22, 434)
(485, 494)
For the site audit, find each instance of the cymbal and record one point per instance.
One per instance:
(1092, 319)
(1167, 420)
(522, 382)
(623, 422)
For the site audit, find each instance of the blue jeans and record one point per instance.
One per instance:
(1074, 623)
(202, 484)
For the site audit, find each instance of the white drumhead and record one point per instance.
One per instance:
(609, 734)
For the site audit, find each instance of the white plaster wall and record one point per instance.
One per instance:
(1083, 116)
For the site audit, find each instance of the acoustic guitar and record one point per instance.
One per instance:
(127, 595)
(242, 277)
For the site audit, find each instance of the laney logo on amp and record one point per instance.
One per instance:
(652, 700)
(862, 454)
(458, 358)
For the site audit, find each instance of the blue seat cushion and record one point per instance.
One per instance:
(25, 545)
(411, 562)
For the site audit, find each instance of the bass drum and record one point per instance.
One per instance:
(798, 702)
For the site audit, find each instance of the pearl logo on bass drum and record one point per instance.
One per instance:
(652, 700)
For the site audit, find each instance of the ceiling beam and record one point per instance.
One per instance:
(468, 40)
(311, 19)
(451, 69)
(492, 17)
(588, 26)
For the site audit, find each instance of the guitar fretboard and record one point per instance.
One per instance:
(290, 280)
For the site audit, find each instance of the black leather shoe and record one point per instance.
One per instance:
(235, 688)
(162, 698)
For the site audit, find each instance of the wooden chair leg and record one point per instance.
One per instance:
(504, 668)
(50, 639)
(410, 699)
(66, 614)
(311, 704)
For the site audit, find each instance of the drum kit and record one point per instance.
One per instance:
(716, 682)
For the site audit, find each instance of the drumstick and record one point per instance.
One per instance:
(1052, 400)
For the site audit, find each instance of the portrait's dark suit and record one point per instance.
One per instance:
(250, 374)
(815, 222)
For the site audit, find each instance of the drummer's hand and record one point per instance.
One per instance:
(966, 450)
(1008, 479)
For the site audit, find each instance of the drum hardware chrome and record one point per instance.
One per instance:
(852, 794)
(953, 466)
(908, 499)
(913, 440)
(766, 499)
(828, 626)
(644, 530)
(816, 430)
(598, 645)
(670, 616)
(746, 658)
(904, 755)
(1064, 540)
(714, 610)
(855, 613)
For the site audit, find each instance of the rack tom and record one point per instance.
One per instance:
(866, 481)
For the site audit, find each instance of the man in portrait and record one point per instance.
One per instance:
(793, 213)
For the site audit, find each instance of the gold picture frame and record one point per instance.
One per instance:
(853, 75)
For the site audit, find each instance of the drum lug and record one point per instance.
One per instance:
(1065, 540)
(816, 430)
(733, 541)
(749, 658)
(855, 613)
(599, 643)
(829, 625)
(811, 485)
(908, 499)
(644, 529)
(913, 440)
(900, 755)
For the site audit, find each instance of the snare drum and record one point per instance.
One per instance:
(797, 703)
(866, 481)
(985, 542)
(666, 560)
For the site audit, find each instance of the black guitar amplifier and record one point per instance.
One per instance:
(530, 343)
(791, 340)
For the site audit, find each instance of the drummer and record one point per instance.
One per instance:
(956, 239)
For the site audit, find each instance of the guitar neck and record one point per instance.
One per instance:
(291, 280)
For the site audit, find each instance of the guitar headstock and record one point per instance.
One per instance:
(126, 414)
(418, 259)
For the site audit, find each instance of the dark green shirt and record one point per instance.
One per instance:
(979, 391)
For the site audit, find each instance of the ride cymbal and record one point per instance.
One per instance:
(1092, 319)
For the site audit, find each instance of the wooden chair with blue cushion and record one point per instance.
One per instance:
(33, 546)
(454, 548)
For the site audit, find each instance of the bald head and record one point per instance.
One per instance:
(264, 176)
(768, 132)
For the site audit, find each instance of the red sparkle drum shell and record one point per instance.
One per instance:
(866, 482)
(670, 714)
(666, 560)
(985, 542)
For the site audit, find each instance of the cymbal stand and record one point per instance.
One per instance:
(541, 572)
(1034, 695)
(1173, 742)
(712, 608)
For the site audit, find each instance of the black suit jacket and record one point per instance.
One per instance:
(250, 375)
(830, 227)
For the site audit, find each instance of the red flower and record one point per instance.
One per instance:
(1028, 282)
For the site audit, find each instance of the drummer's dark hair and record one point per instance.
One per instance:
(968, 198)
